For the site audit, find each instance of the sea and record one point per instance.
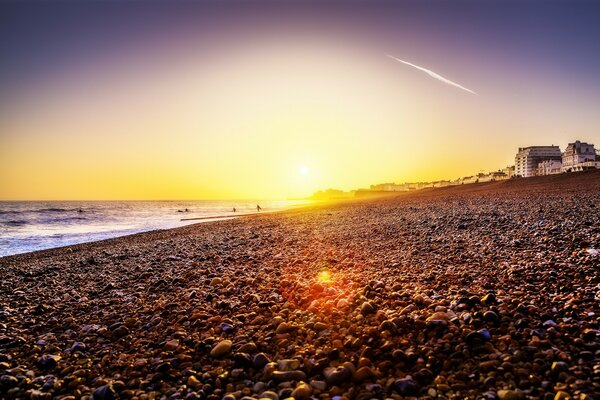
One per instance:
(27, 226)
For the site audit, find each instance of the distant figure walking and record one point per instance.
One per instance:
(258, 208)
(234, 210)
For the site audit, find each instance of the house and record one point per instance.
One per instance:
(549, 167)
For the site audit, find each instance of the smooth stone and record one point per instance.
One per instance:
(363, 373)
(302, 391)
(77, 346)
(260, 360)
(320, 326)
(319, 385)
(288, 365)
(121, 331)
(8, 381)
(367, 308)
(284, 327)
(222, 348)
(336, 376)
(510, 395)
(490, 316)
(106, 392)
(438, 316)
(405, 387)
(269, 395)
(247, 348)
(282, 376)
(193, 382)
(559, 366)
(560, 395)
(172, 345)
(489, 298)
(48, 361)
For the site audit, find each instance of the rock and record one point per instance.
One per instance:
(438, 316)
(367, 308)
(106, 392)
(302, 391)
(490, 316)
(387, 326)
(558, 367)
(172, 345)
(193, 382)
(48, 361)
(222, 348)
(363, 373)
(337, 376)
(282, 376)
(269, 395)
(319, 385)
(489, 299)
(288, 365)
(406, 387)
(8, 381)
(77, 346)
(260, 360)
(121, 331)
(284, 327)
(560, 395)
(510, 395)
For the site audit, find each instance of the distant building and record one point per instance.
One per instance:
(389, 187)
(528, 158)
(439, 184)
(584, 166)
(576, 153)
(549, 167)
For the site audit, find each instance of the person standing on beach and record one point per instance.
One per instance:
(234, 210)
(258, 208)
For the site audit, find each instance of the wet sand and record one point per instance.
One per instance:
(479, 291)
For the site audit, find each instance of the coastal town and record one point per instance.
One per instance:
(529, 161)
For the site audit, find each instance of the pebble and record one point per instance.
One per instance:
(367, 308)
(106, 392)
(337, 376)
(222, 348)
(406, 387)
(302, 392)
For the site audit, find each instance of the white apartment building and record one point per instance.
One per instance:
(576, 153)
(549, 167)
(528, 158)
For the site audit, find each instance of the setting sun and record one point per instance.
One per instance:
(304, 170)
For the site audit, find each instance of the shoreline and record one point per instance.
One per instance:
(437, 294)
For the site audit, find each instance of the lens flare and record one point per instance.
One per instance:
(324, 276)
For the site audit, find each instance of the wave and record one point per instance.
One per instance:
(15, 222)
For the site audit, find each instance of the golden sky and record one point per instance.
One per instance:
(279, 111)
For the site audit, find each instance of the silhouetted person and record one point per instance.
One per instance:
(186, 210)
(234, 210)
(258, 208)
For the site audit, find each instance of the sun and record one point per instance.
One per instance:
(304, 170)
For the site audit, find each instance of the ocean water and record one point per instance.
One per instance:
(36, 225)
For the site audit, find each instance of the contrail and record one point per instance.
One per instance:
(434, 75)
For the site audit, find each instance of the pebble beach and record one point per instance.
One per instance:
(483, 291)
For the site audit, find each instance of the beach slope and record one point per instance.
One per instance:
(479, 291)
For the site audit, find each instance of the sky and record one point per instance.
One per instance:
(257, 100)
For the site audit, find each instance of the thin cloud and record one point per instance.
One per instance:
(434, 75)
